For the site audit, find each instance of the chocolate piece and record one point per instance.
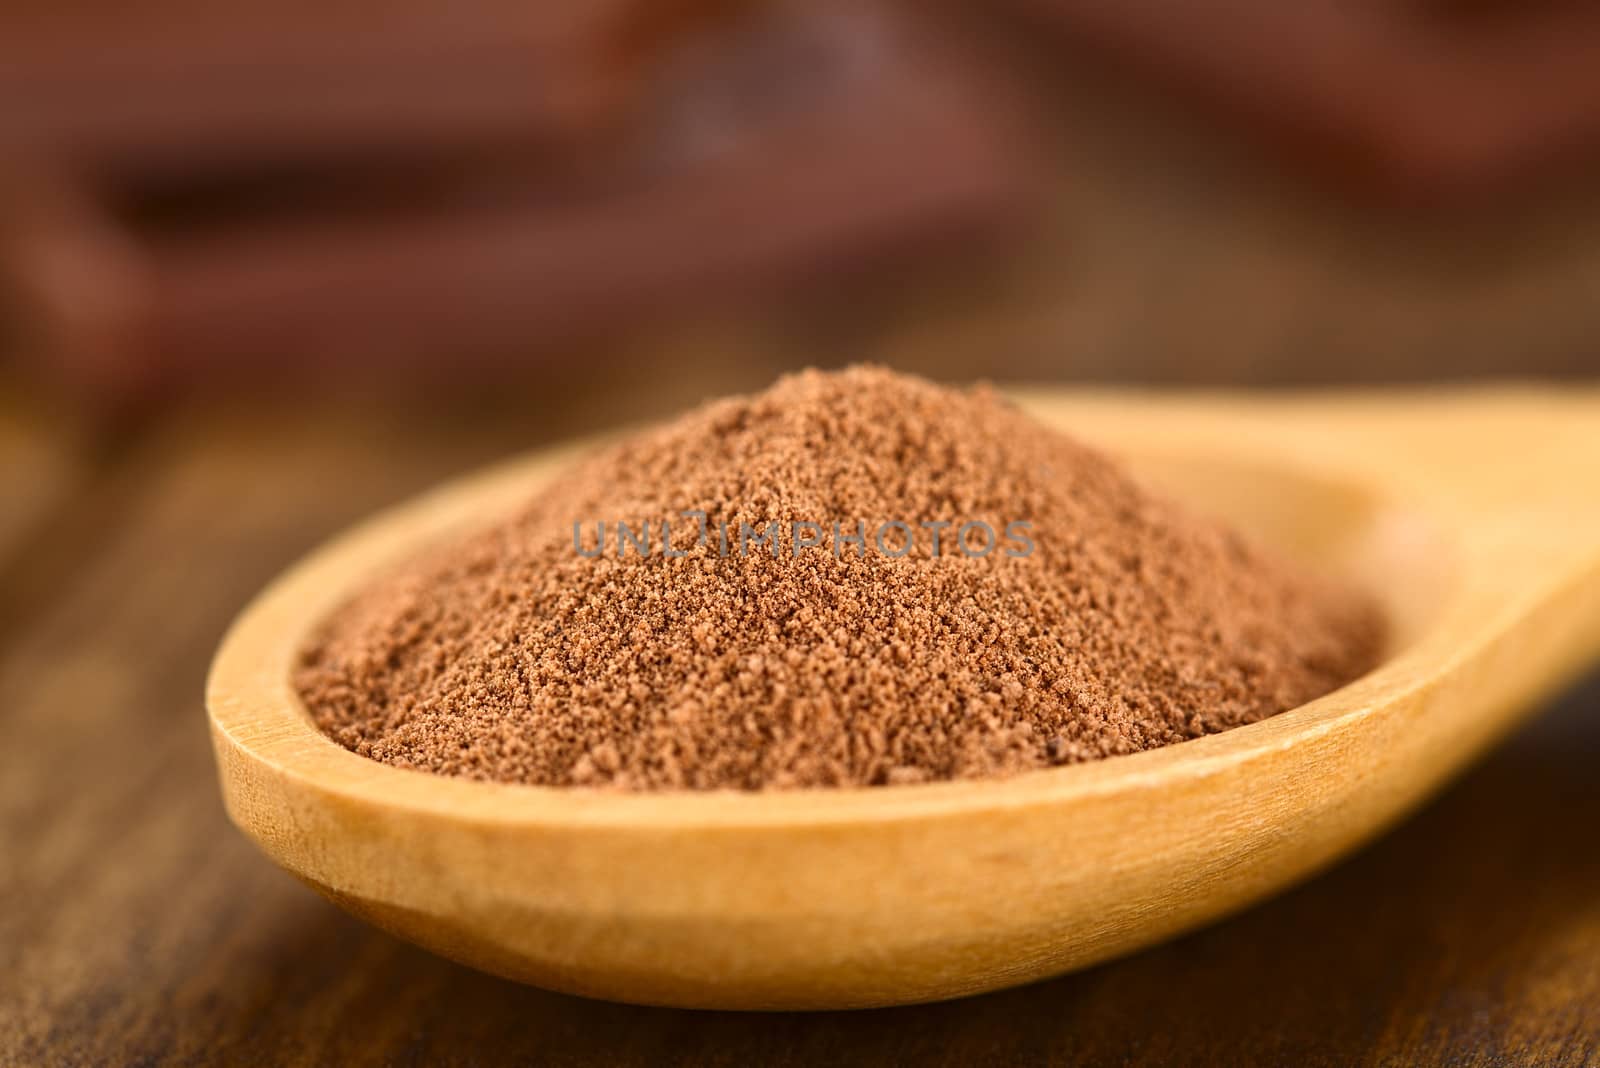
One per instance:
(175, 88)
(775, 147)
(1416, 101)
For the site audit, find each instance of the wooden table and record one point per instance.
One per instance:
(137, 927)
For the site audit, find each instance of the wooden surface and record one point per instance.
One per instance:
(863, 898)
(139, 927)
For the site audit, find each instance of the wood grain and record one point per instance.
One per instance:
(40, 469)
(138, 928)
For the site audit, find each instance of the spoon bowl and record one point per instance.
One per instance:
(1473, 516)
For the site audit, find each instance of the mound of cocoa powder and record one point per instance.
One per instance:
(1102, 620)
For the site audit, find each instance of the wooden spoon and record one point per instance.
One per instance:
(1475, 516)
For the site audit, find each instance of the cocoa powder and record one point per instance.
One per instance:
(1103, 619)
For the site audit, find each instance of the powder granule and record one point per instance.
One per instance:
(509, 655)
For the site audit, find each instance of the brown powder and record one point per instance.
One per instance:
(1132, 624)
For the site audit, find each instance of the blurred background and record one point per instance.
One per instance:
(538, 201)
(267, 267)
